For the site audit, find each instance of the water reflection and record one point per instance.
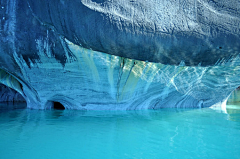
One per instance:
(147, 115)
(234, 112)
(6, 106)
(160, 133)
(13, 112)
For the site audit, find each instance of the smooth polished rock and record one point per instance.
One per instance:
(120, 54)
(98, 81)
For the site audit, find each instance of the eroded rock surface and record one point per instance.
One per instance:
(120, 54)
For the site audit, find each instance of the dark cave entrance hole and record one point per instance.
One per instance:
(58, 106)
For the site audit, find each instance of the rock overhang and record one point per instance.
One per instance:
(197, 40)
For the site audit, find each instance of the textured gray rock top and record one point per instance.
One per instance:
(194, 31)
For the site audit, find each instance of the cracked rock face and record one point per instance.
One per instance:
(120, 54)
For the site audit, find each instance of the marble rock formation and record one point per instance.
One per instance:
(119, 55)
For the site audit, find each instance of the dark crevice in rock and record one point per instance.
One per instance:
(10, 95)
(58, 106)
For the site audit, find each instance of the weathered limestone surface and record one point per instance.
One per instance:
(120, 54)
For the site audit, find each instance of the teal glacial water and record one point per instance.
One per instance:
(165, 133)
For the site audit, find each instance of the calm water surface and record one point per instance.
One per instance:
(166, 133)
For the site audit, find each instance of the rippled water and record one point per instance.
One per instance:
(166, 133)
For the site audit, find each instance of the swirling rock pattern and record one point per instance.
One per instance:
(120, 54)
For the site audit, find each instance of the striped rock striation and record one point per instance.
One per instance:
(119, 55)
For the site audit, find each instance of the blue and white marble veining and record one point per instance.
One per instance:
(120, 55)
(92, 80)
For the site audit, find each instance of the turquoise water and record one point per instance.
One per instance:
(166, 133)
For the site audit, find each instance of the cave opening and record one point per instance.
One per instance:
(11, 90)
(11, 99)
(234, 98)
(58, 106)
